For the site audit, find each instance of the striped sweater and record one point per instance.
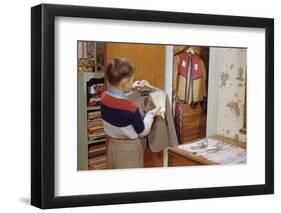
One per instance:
(121, 117)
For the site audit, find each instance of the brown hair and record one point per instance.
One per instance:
(117, 69)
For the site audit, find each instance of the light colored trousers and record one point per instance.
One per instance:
(125, 153)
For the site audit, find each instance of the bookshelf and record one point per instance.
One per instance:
(91, 136)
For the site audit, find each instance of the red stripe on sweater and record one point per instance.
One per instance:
(118, 103)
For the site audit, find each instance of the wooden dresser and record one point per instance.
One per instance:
(193, 123)
(180, 157)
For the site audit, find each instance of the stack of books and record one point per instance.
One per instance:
(95, 127)
(96, 141)
(97, 156)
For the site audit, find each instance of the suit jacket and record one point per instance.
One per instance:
(162, 133)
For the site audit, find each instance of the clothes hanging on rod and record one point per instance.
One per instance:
(163, 133)
(190, 80)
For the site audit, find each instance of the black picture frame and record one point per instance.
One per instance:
(43, 105)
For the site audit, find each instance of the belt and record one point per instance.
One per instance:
(121, 139)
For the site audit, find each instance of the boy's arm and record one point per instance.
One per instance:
(148, 120)
(142, 126)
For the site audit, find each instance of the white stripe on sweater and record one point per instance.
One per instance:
(129, 131)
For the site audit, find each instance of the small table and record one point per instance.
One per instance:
(181, 157)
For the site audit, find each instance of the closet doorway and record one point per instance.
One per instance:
(189, 91)
(222, 109)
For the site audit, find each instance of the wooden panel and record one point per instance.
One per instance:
(193, 123)
(189, 132)
(149, 60)
(193, 137)
(175, 159)
(152, 159)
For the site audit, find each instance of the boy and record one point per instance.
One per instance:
(122, 120)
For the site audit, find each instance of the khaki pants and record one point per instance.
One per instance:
(125, 153)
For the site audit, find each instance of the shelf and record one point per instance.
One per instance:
(93, 108)
(89, 116)
(96, 141)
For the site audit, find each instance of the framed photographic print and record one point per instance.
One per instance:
(139, 106)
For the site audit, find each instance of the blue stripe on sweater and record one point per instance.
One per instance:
(122, 118)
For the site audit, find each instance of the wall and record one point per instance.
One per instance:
(149, 60)
(231, 93)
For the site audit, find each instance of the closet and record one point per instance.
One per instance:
(190, 85)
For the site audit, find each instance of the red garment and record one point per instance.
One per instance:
(196, 63)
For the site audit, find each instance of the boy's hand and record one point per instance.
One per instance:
(156, 111)
(137, 85)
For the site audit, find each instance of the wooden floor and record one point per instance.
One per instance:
(153, 159)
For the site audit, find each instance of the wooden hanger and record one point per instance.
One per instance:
(190, 50)
(186, 49)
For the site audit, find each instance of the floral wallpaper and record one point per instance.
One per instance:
(231, 93)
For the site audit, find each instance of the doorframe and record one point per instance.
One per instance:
(168, 87)
(215, 68)
(169, 71)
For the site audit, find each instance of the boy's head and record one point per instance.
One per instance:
(120, 73)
